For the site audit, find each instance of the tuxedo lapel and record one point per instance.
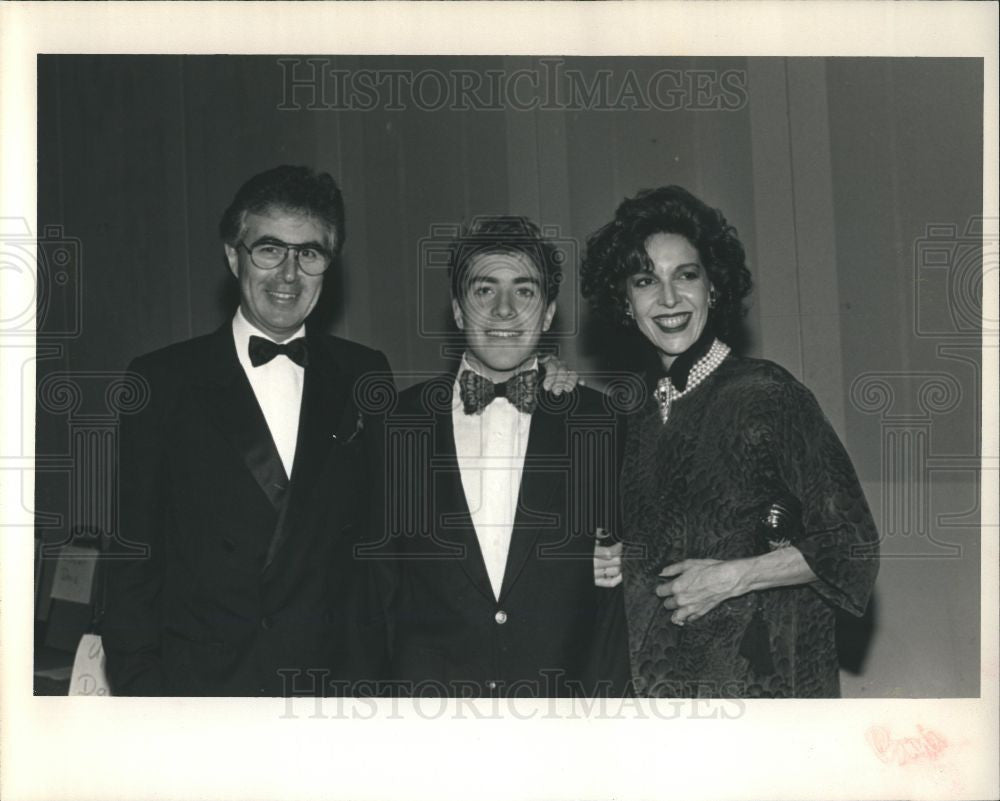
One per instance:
(325, 396)
(451, 520)
(230, 403)
(540, 479)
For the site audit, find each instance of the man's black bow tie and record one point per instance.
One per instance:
(263, 350)
(478, 392)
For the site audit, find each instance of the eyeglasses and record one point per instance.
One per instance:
(270, 255)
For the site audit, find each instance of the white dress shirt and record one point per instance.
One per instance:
(490, 448)
(277, 386)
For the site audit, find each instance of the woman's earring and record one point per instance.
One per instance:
(629, 316)
(712, 298)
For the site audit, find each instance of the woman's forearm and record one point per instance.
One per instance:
(783, 567)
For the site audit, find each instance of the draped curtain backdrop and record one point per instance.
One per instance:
(855, 184)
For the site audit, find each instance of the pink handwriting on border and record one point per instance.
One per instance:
(925, 747)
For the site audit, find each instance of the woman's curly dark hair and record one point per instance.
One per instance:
(618, 250)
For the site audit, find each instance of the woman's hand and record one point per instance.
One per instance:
(697, 586)
(700, 585)
(558, 377)
(608, 565)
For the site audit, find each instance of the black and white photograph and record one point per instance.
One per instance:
(604, 401)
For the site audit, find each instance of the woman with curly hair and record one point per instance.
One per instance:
(745, 526)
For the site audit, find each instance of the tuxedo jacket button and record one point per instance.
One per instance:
(491, 684)
(500, 617)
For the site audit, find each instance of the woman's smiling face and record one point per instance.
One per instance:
(670, 302)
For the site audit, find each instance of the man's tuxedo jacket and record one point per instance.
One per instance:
(551, 632)
(228, 578)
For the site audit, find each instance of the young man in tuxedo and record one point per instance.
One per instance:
(496, 489)
(245, 480)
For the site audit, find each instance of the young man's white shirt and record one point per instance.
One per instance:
(490, 448)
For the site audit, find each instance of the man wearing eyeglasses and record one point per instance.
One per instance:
(247, 479)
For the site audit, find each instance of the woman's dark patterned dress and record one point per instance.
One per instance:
(694, 488)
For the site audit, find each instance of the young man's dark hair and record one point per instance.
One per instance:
(506, 234)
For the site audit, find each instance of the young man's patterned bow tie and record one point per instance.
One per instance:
(478, 392)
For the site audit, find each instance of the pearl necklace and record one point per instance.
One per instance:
(666, 393)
